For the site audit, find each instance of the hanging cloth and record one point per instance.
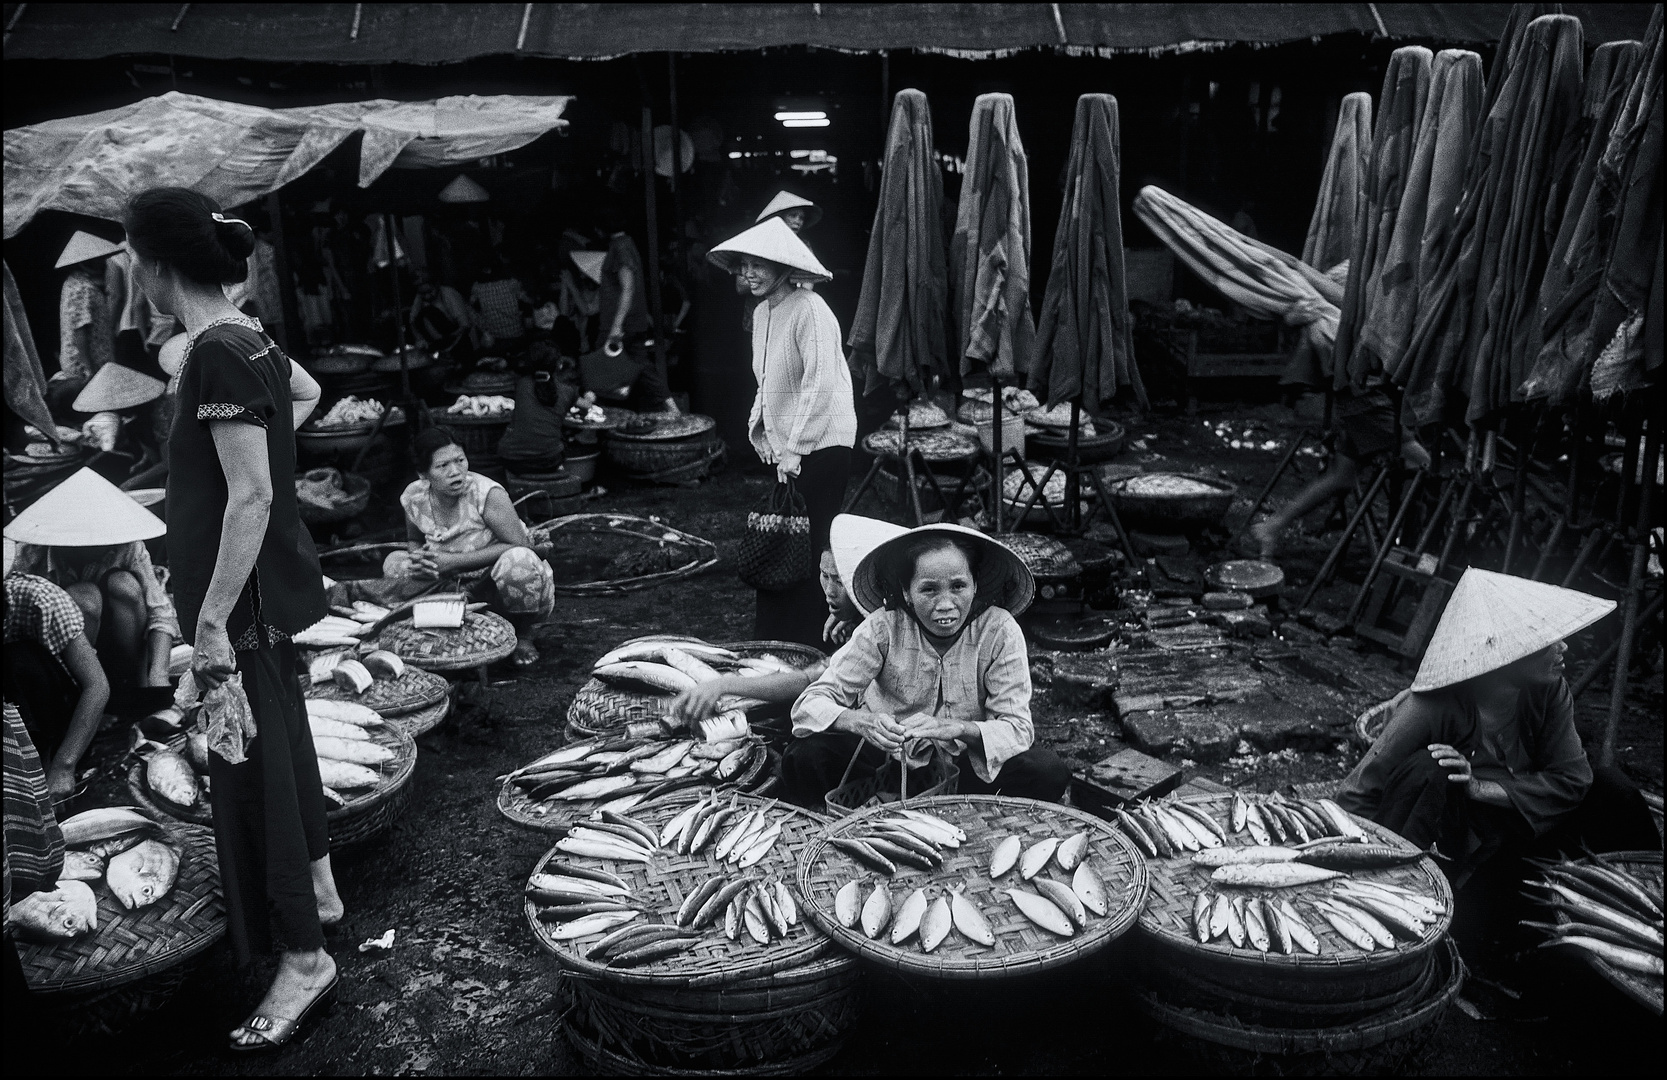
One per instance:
(1342, 186)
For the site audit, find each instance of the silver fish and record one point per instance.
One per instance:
(143, 875)
(68, 911)
(168, 774)
(81, 866)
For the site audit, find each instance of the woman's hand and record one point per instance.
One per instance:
(881, 729)
(425, 566)
(698, 703)
(837, 630)
(1456, 764)
(60, 782)
(936, 728)
(214, 661)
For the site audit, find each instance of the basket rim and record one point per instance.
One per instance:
(1155, 929)
(419, 722)
(781, 955)
(463, 661)
(655, 430)
(1058, 952)
(969, 445)
(1105, 431)
(438, 689)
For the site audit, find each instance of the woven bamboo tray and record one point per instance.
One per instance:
(134, 961)
(1388, 1044)
(1645, 990)
(484, 638)
(557, 817)
(365, 816)
(663, 427)
(600, 708)
(420, 723)
(933, 445)
(416, 690)
(1340, 966)
(1021, 947)
(702, 553)
(715, 961)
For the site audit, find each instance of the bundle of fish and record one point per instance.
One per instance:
(1368, 915)
(582, 901)
(671, 665)
(926, 914)
(621, 773)
(1612, 914)
(119, 845)
(1165, 828)
(1056, 906)
(765, 910)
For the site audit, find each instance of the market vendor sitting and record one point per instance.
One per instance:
(939, 664)
(88, 537)
(463, 531)
(1480, 757)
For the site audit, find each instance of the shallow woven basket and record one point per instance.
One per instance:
(852, 794)
(1159, 510)
(415, 691)
(1105, 444)
(703, 554)
(420, 723)
(358, 489)
(662, 887)
(484, 638)
(662, 427)
(365, 816)
(477, 435)
(1388, 1044)
(99, 984)
(1021, 947)
(600, 708)
(1646, 991)
(669, 461)
(556, 816)
(1341, 972)
(779, 1024)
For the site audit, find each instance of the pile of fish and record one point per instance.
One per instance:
(1165, 828)
(348, 757)
(1369, 915)
(622, 772)
(670, 665)
(926, 914)
(1613, 915)
(117, 844)
(735, 834)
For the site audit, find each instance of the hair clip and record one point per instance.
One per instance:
(224, 220)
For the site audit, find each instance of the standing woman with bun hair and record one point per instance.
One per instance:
(245, 578)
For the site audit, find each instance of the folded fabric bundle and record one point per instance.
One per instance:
(1342, 186)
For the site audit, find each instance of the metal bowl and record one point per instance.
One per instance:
(334, 440)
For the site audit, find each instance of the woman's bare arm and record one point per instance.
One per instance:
(303, 393)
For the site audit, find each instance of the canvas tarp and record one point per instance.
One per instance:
(94, 164)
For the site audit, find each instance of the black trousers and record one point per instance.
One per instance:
(269, 823)
(798, 612)
(814, 765)
(43, 691)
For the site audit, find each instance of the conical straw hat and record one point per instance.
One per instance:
(85, 510)
(1003, 578)
(83, 246)
(852, 537)
(770, 239)
(786, 200)
(116, 386)
(463, 190)
(1494, 619)
(589, 263)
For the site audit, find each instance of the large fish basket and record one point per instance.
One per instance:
(1172, 510)
(1045, 444)
(1390, 1042)
(1644, 989)
(1300, 990)
(484, 638)
(365, 816)
(1021, 947)
(724, 1007)
(417, 701)
(100, 984)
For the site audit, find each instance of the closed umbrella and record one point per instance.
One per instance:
(1342, 186)
(989, 259)
(898, 330)
(1084, 339)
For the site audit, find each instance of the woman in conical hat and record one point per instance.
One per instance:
(1481, 756)
(803, 420)
(798, 214)
(940, 663)
(88, 537)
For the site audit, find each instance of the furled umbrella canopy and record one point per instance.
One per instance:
(989, 253)
(25, 382)
(1580, 253)
(1084, 338)
(898, 331)
(1400, 113)
(1342, 186)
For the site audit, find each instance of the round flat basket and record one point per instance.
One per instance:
(665, 461)
(1045, 556)
(1645, 866)
(345, 364)
(422, 721)
(1105, 444)
(1341, 970)
(366, 814)
(1171, 499)
(614, 417)
(477, 435)
(1256, 578)
(656, 554)
(484, 638)
(1021, 946)
(933, 445)
(101, 982)
(601, 708)
(661, 427)
(662, 886)
(1387, 1044)
(414, 691)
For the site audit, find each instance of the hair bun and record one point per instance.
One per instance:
(235, 236)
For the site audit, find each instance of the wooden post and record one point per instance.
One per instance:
(1634, 585)
(655, 311)
(292, 335)
(998, 420)
(676, 152)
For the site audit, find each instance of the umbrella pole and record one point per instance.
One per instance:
(1073, 485)
(1571, 498)
(1634, 587)
(907, 471)
(998, 420)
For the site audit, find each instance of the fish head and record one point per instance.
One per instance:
(79, 907)
(142, 875)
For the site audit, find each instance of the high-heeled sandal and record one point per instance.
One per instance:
(275, 1032)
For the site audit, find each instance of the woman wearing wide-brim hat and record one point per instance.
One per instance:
(1480, 756)
(88, 537)
(803, 419)
(797, 213)
(940, 660)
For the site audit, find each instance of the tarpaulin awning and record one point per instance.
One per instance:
(94, 164)
(447, 33)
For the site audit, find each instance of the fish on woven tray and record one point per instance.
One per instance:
(67, 911)
(1610, 914)
(143, 874)
(477, 634)
(1167, 485)
(168, 774)
(933, 445)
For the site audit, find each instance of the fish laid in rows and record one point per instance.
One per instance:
(343, 712)
(1043, 912)
(1271, 875)
(1005, 856)
(969, 920)
(143, 874)
(345, 775)
(67, 911)
(661, 677)
(360, 753)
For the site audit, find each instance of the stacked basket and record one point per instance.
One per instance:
(416, 702)
(1343, 1010)
(723, 1007)
(669, 449)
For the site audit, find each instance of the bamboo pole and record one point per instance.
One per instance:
(656, 311)
(1634, 587)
